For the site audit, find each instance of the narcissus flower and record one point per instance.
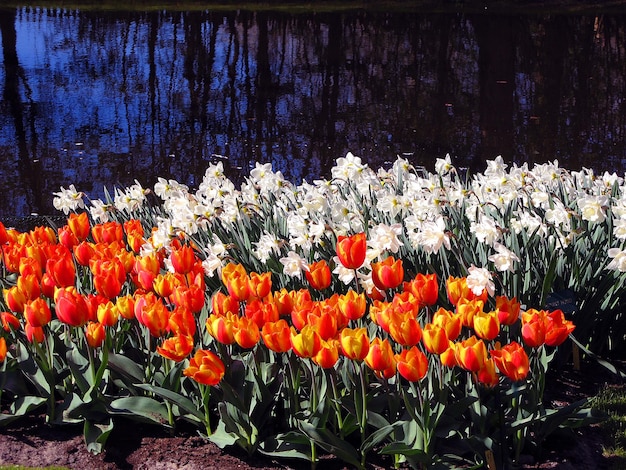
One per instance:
(205, 367)
(352, 250)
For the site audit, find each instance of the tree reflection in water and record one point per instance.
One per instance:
(100, 99)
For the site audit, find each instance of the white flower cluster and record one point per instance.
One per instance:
(407, 211)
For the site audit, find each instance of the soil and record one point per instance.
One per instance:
(31, 442)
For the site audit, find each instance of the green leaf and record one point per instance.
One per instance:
(96, 435)
(177, 399)
(221, 437)
(140, 407)
(377, 437)
(291, 445)
(331, 443)
(127, 368)
(21, 407)
(79, 366)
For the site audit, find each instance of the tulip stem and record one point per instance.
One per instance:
(205, 392)
(337, 406)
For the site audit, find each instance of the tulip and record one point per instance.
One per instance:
(48, 286)
(12, 255)
(152, 313)
(15, 299)
(43, 236)
(108, 277)
(79, 225)
(328, 354)
(34, 334)
(205, 367)
(412, 364)
(467, 309)
(534, 327)
(222, 328)
(307, 343)
(3, 342)
(238, 286)
(380, 355)
(352, 305)
(324, 320)
(29, 285)
(182, 322)
(557, 328)
(183, 259)
(62, 270)
(223, 304)
(458, 289)
(277, 336)
(425, 288)
(405, 329)
(355, 343)
(9, 321)
(284, 301)
(83, 252)
(387, 274)
(37, 312)
(471, 354)
(107, 232)
(512, 361)
(246, 332)
(448, 357)
(70, 306)
(405, 302)
(29, 266)
(176, 348)
(261, 312)
(435, 338)
(93, 302)
(107, 314)
(318, 275)
(487, 374)
(4, 236)
(486, 325)
(67, 238)
(95, 334)
(352, 250)
(260, 285)
(126, 306)
(508, 310)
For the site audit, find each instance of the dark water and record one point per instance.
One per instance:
(99, 99)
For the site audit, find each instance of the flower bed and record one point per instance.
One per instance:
(396, 312)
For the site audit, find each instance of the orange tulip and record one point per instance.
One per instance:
(62, 270)
(457, 289)
(30, 266)
(355, 343)
(107, 232)
(508, 310)
(152, 313)
(380, 314)
(351, 250)
(487, 374)
(557, 328)
(126, 306)
(79, 225)
(222, 328)
(67, 238)
(12, 254)
(318, 275)
(448, 357)
(380, 355)
(284, 301)
(9, 321)
(191, 297)
(387, 274)
(246, 332)
(107, 314)
(324, 320)
(307, 343)
(183, 259)
(467, 309)
(29, 285)
(405, 329)
(15, 299)
(534, 327)
(238, 286)
(43, 236)
(70, 306)
(277, 336)
(182, 322)
(486, 325)
(205, 367)
(4, 236)
(37, 312)
(176, 348)
(471, 354)
(83, 252)
(328, 354)
(412, 364)
(260, 285)
(108, 277)
(134, 235)
(512, 361)
(352, 305)
(425, 288)
(405, 302)
(222, 304)
(3, 343)
(164, 284)
(34, 334)
(435, 338)
(95, 334)
(48, 285)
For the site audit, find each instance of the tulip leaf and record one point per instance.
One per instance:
(377, 437)
(20, 407)
(140, 407)
(127, 368)
(96, 435)
(290, 445)
(221, 437)
(331, 443)
(175, 398)
(79, 366)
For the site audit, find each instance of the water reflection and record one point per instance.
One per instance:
(97, 99)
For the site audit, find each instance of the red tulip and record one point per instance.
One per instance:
(351, 250)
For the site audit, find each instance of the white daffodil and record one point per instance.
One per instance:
(433, 235)
(479, 279)
(293, 264)
(618, 261)
(593, 208)
(68, 200)
(504, 258)
(485, 230)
